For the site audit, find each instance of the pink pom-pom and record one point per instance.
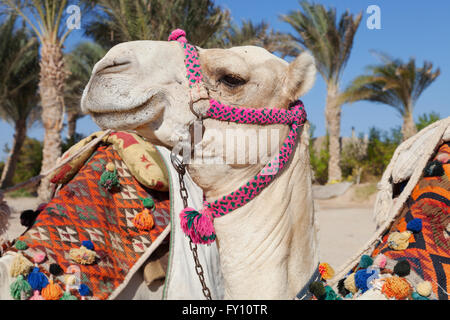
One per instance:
(38, 257)
(205, 227)
(198, 225)
(178, 35)
(187, 217)
(380, 261)
(36, 296)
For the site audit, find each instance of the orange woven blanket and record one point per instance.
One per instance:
(84, 210)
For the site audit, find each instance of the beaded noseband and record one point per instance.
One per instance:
(198, 225)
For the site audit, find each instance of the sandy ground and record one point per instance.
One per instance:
(345, 225)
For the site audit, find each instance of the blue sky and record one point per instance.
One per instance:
(417, 29)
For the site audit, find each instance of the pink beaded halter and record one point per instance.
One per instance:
(198, 225)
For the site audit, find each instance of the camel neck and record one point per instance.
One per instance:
(268, 247)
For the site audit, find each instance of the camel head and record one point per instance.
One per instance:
(142, 86)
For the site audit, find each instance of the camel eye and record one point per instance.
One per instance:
(232, 81)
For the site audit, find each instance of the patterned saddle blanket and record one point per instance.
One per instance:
(426, 249)
(85, 210)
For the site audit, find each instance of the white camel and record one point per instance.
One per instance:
(268, 248)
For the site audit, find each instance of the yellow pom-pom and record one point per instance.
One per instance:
(20, 266)
(82, 255)
(70, 279)
(144, 220)
(110, 167)
(399, 240)
(349, 283)
(424, 288)
(52, 291)
(326, 271)
(396, 287)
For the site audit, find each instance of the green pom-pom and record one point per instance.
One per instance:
(417, 296)
(68, 296)
(365, 262)
(20, 289)
(147, 202)
(21, 245)
(109, 180)
(318, 290)
(330, 294)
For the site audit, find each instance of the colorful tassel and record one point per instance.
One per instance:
(55, 269)
(88, 244)
(415, 225)
(365, 262)
(399, 240)
(84, 291)
(144, 220)
(39, 257)
(20, 289)
(326, 271)
(52, 291)
(396, 287)
(109, 178)
(36, 296)
(198, 225)
(21, 245)
(68, 296)
(82, 255)
(318, 290)
(37, 280)
(20, 266)
(330, 294)
(380, 261)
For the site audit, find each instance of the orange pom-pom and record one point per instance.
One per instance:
(396, 287)
(144, 220)
(52, 291)
(326, 271)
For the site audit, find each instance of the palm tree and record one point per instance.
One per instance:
(80, 63)
(254, 34)
(45, 18)
(120, 21)
(395, 83)
(18, 88)
(331, 42)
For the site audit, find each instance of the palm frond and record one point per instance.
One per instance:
(330, 40)
(393, 82)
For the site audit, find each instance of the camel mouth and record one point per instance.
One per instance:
(130, 118)
(132, 109)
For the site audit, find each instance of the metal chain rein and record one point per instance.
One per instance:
(180, 167)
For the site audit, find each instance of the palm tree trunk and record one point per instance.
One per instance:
(51, 88)
(409, 127)
(20, 135)
(333, 119)
(71, 125)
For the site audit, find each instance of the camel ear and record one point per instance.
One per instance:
(300, 76)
